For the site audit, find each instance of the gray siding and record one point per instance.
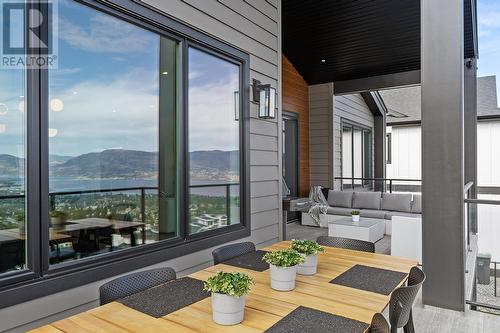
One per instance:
(254, 27)
(321, 134)
(352, 108)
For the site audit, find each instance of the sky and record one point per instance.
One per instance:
(104, 93)
(489, 39)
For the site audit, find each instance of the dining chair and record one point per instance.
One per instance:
(379, 324)
(346, 243)
(401, 303)
(232, 250)
(133, 283)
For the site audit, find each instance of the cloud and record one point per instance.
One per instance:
(105, 34)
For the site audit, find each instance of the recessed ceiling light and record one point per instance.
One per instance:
(323, 60)
(165, 73)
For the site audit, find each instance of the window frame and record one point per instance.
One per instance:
(363, 128)
(41, 279)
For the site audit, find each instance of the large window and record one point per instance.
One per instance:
(356, 155)
(134, 150)
(214, 168)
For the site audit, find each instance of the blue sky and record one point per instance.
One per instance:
(489, 39)
(104, 93)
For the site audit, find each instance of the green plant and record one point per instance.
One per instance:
(355, 212)
(307, 247)
(20, 217)
(58, 213)
(284, 258)
(232, 284)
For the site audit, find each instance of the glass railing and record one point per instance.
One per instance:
(392, 185)
(80, 218)
(482, 235)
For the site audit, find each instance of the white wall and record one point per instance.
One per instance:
(254, 27)
(406, 161)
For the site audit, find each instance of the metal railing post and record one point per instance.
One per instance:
(143, 205)
(390, 185)
(228, 204)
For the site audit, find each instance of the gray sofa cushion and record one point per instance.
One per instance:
(389, 215)
(340, 198)
(416, 206)
(373, 213)
(400, 202)
(339, 211)
(367, 200)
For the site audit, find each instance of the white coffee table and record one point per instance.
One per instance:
(367, 229)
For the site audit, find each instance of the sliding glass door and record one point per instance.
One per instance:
(357, 156)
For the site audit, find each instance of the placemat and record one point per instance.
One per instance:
(167, 298)
(252, 260)
(307, 320)
(381, 281)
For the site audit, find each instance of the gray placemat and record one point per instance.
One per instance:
(252, 260)
(307, 320)
(167, 298)
(381, 281)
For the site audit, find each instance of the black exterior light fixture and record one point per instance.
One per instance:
(266, 96)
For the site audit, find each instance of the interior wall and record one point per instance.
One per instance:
(296, 100)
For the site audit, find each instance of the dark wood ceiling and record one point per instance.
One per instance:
(356, 38)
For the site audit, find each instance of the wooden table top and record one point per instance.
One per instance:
(264, 306)
(58, 233)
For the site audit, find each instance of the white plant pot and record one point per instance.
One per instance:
(355, 218)
(309, 266)
(283, 278)
(227, 310)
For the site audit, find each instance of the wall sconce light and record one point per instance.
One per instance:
(265, 95)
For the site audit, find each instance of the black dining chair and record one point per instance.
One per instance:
(401, 303)
(133, 283)
(379, 324)
(230, 251)
(346, 243)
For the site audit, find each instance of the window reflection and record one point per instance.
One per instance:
(214, 170)
(104, 136)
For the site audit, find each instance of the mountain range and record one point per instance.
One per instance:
(120, 163)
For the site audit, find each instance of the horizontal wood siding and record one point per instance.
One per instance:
(252, 26)
(321, 134)
(296, 100)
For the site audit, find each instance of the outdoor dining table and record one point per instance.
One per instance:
(264, 306)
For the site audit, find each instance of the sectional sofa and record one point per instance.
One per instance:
(370, 204)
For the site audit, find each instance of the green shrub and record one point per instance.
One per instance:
(232, 284)
(58, 213)
(355, 212)
(307, 247)
(284, 258)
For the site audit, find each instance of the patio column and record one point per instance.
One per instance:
(443, 153)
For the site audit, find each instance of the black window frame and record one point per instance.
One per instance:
(41, 279)
(363, 128)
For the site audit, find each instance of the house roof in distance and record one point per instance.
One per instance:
(404, 104)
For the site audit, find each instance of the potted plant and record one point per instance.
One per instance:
(355, 215)
(228, 296)
(57, 218)
(310, 249)
(283, 267)
(21, 223)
